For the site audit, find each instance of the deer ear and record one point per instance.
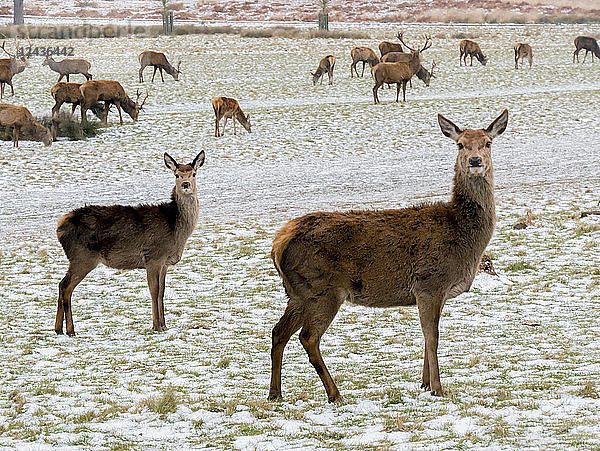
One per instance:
(499, 125)
(198, 161)
(170, 162)
(449, 128)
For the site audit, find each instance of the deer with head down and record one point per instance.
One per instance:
(422, 74)
(325, 67)
(69, 66)
(420, 256)
(523, 51)
(588, 44)
(21, 120)
(150, 237)
(228, 108)
(364, 55)
(472, 49)
(387, 47)
(400, 72)
(9, 67)
(111, 93)
(159, 61)
(65, 92)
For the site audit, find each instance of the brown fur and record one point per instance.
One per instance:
(387, 46)
(20, 118)
(422, 255)
(69, 66)
(228, 108)
(65, 92)
(151, 237)
(472, 49)
(423, 74)
(9, 67)
(326, 66)
(111, 93)
(523, 51)
(159, 61)
(587, 43)
(364, 55)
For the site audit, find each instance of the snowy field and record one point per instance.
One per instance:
(204, 382)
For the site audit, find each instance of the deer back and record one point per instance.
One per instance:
(66, 92)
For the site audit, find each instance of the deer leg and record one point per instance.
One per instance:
(224, 124)
(141, 74)
(60, 77)
(375, 96)
(15, 136)
(12, 89)
(430, 307)
(161, 74)
(67, 78)
(154, 73)
(585, 56)
(118, 104)
(426, 381)
(153, 276)
(471, 60)
(161, 295)
(75, 274)
(352, 67)
(320, 314)
(233, 119)
(1, 90)
(363, 71)
(397, 91)
(73, 106)
(216, 127)
(330, 75)
(289, 323)
(404, 82)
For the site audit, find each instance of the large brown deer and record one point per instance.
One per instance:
(21, 119)
(588, 44)
(422, 255)
(9, 67)
(386, 46)
(364, 55)
(523, 51)
(422, 74)
(159, 61)
(228, 108)
(400, 72)
(150, 237)
(111, 93)
(65, 92)
(69, 66)
(472, 49)
(326, 66)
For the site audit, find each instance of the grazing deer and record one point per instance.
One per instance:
(387, 47)
(69, 66)
(150, 237)
(325, 66)
(364, 55)
(64, 92)
(228, 108)
(400, 72)
(587, 43)
(523, 51)
(111, 93)
(472, 49)
(422, 74)
(159, 61)
(21, 119)
(422, 255)
(9, 67)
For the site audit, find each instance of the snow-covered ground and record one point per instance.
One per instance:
(204, 382)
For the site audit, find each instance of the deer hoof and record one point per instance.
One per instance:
(58, 331)
(437, 392)
(425, 385)
(71, 333)
(337, 399)
(276, 397)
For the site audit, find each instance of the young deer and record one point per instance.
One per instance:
(523, 51)
(159, 61)
(472, 49)
(228, 108)
(422, 255)
(69, 66)
(326, 66)
(364, 55)
(150, 237)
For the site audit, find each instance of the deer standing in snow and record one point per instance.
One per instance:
(150, 237)
(159, 61)
(422, 255)
(228, 108)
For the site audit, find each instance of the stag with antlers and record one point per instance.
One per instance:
(111, 93)
(9, 67)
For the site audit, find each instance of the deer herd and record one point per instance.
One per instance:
(420, 256)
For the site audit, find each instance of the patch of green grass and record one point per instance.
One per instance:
(519, 266)
(167, 403)
(588, 390)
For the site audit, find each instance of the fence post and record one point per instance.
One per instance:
(18, 17)
(323, 21)
(168, 22)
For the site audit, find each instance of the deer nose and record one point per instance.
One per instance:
(185, 185)
(475, 162)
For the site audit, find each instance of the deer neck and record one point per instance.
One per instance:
(187, 214)
(474, 203)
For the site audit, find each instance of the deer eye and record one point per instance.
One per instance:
(194, 174)
(460, 146)
(488, 144)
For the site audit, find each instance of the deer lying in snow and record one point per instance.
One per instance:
(325, 67)
(21, 119)
(159, 61)
(150, 237)
(69, 66)
(422, 255)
